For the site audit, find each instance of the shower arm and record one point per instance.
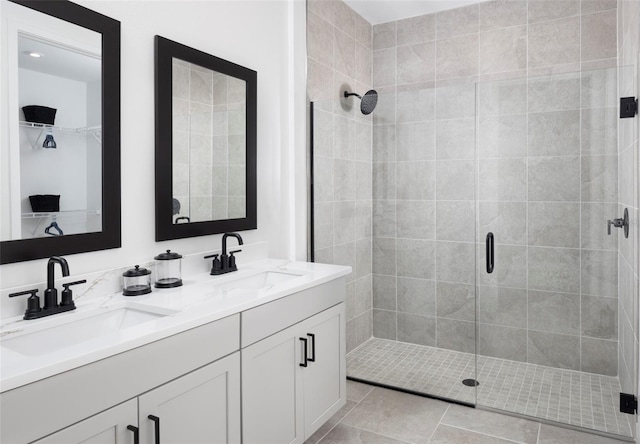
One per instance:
(348, 94)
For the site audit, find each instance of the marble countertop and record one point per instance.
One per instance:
(201, 299)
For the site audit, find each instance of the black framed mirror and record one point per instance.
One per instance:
(205, 159)
(62, 195)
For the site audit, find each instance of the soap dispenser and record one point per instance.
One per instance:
(137, 281)
(168, 270)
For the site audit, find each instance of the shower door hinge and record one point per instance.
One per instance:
(628, 403)
(628, 107)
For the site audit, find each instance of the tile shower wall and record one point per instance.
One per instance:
(628, 53)
(339, 59)
(209, 137)
(547, 171)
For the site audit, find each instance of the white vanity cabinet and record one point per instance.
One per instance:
(294, 380)
(202, 406)
(273, 373)
(108, 427)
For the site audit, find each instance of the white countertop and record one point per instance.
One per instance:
(198, 301)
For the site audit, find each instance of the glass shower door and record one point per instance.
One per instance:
(394, 197)
(557, 312)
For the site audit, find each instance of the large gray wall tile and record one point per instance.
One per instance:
(457, 21)
(554, 350)
(599, 131)
(599, 356)
(416, 219)
(384, 143)
(457, 335)
(417, 296)
(554, 312)
(416, 29)
(502, 306)
(555, 42)
(455, 262)
(416, 141)
(502, 136)
(599, 178)
(384, 324)
(384, 67)
(599, 37)
(559, 92)
(457, 57)
(384, 256)
(451, 93)
(510, 266)
(554, 133)
(599, 273)
(501, 97)
(502, 14)
(507, 220)
(417, 329)
(384, 292)
(503, 342)
(554, 224)
(554, 269)
(503, 50)
(545, 10)
(416, 63)
(455, 220)
(455, 180)
(416, 104)
(554, 179)
(599, 317)
(384, 36)
(456, 301)
(415, 180)
(344, 222)
(503, 180)
(416, 258)
(455, 139)
(384, 218)
(598, 88)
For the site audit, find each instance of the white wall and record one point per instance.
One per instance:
(254, 34)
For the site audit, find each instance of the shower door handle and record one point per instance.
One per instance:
(489, 252)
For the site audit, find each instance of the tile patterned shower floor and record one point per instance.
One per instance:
(577, 398)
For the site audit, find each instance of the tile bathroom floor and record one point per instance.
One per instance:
(576, 398)
(375, 415)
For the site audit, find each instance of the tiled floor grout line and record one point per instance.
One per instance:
(439, 423)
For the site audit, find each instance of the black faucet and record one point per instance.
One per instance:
(51, 306)
(227, 262)
(51, 294)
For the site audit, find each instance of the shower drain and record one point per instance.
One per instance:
(470, 382)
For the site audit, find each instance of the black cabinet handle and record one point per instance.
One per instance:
(156, 420)
(136, 433)
(304, 352)
(489, 252)
(313, 347)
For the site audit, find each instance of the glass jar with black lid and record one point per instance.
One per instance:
(137, 281)
(168, 270)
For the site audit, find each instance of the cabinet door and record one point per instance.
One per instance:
(324, 378)
(271, 398)
(108, 427)
(200, 407)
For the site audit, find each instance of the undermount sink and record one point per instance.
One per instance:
(260, 281)
(80, 327)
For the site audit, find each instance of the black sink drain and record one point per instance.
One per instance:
(470, 382)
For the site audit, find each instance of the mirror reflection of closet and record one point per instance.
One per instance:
(67, 79)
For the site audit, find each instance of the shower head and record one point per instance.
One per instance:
(368, 102)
